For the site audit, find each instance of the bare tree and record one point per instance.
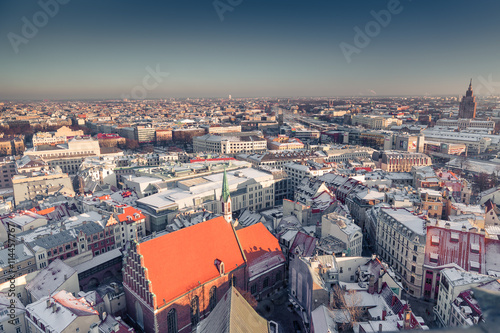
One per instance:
(483, 182)
(350, 303)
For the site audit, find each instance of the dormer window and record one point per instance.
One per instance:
(220, 266)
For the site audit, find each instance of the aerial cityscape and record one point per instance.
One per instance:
(236, 166)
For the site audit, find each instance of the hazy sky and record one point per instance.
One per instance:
(102, 49)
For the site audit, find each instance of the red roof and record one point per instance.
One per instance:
(178, 261)
(130, 211)
(46, 211)
(261, 248)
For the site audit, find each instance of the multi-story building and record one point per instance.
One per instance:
(61, 313)
(11, 145)
(465, 310)
(467, 108)
(145, 133)
(28, 187)
(132, 223)
(488, 125)
(475, 143)
(85, 240)
(94, 172)
(344, 155)
(174, 294)
(266, 267)
(449, 245)
(24, 263)
(12, 319)
(375, 121)
(110, 140)
(163, 135)
(61, 277)
(282, 142)
(278, 158)
(345, 230)
(68, 156)
(250, 189)
(186, 135)
(296, 172)
(400, 242)
(58, 137)
(452, 283)
(27, 164)
(432, 203)
(221, 129)
(311, 281)
(229, 144)
(393, 161)
(7, 171)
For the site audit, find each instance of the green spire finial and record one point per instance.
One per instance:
(225, 187)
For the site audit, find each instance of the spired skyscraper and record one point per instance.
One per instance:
(467, 108)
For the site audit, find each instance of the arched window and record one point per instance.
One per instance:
(278, 276)
(233, 281)
(212, 298)
(195, 311)
(139, 315)
(172, 321)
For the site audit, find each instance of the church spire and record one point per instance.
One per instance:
(225, 199)
(470, 84)
(225, 187)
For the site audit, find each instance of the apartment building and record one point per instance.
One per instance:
(465, 310)
(229, 144)
(7, 171)
(9, 324)
(28, 187)
(296, 172)
(345, 230)
(11, 145)
(401, 238)
(453, 281)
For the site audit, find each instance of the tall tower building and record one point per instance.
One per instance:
(467, 108)
(225, 200)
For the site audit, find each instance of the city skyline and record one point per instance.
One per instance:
(249, 49)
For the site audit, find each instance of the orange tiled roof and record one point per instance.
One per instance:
(258, 243)
(46, 211)
(177, 261)
(130, 211)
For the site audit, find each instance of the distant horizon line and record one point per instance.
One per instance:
(234, 98)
